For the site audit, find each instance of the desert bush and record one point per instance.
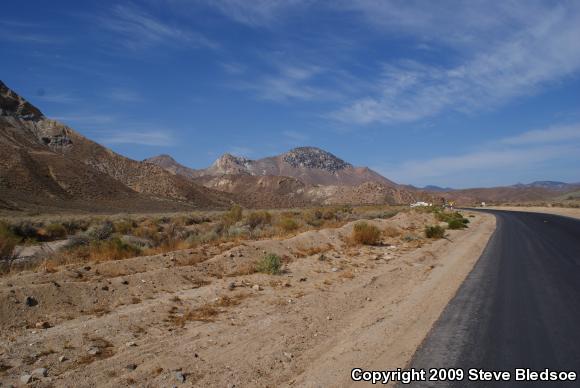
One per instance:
(77, 241)
(124, 226)
(54, 231)
(270, 264)
(288, 225)
(233, 215)
(434, 231)
(112, 249)
(456, 224)
(259, 218)
(8, 241)
(314, 218)
(363, 233)
(147, 229)
(100, 232)
(24, 230)
(75, 225)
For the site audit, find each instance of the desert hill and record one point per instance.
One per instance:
(44, 162)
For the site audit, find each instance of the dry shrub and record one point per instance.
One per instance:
(259, 218)
(434, 232)
(270, 264)
(148, 229)
(8, 242)
(113, 249)
(288, 224)
(124, 226)
(233, 215)
(53, 231)
(314, 250)
(205, 313)
(246, 267)
(366, 234)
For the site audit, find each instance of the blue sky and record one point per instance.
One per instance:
(460, 94)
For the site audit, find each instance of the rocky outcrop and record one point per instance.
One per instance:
(312, 157)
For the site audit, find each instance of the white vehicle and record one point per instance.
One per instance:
(421, 203)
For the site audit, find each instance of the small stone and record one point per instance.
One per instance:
(287, 284)
(42, 325)
(93, 351)
(368, 299)
(329, 318)
(288, 355)
(31, 301)
(303, 279)
(125, 282)
(240, 254)
(25, 379)
(232, 255)
(130, 344)
(257, 287)
(62, 359)
(334, 269)
(39, 372)
(131, 367)
(180, 377)
(87, 268)
(105, 288)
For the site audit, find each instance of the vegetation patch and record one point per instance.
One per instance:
(366, 234)
(435, 231)
(270, 264)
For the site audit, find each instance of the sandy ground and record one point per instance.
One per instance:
(561, 211)
(192, 318)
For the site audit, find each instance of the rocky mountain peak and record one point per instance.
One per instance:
(11, 104)
(231, 164)
(312, 157)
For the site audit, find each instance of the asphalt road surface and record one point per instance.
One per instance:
(518, 308)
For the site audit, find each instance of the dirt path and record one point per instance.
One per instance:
(192, 318)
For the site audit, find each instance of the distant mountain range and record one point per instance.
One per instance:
(47, 166)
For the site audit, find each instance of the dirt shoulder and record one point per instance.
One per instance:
(561, 211)
(192, 317)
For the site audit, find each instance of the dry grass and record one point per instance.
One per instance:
(391, 231)
(365, 234)
(205, 313)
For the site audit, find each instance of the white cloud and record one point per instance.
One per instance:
(255, 12)
(140, 137)
(549, 135)
(521, 64)
(137, 29)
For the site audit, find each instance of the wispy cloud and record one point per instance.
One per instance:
(290, 82)
(566, 133)
(137, 29)
(294, 136)
(256, 12)
(522, 63)
(140, 137)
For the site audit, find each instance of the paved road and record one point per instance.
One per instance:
(518, 308)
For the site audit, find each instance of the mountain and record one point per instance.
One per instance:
(551, 185)
(310, 165)
(46, 163)
(436, 188)
(301, 176)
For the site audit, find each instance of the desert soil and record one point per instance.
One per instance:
(561, 211)
(192, 318)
